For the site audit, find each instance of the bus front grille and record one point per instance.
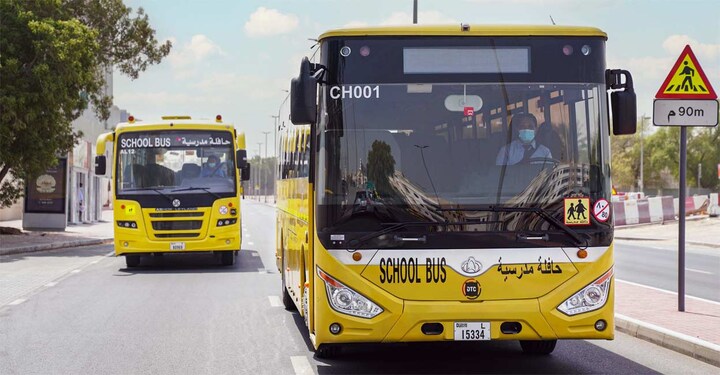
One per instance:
(177, 225)
(176, 235)
(176, 214)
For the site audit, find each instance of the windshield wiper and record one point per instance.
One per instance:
(579, 240)
(207, 190)
(355, 243)
(169, 198)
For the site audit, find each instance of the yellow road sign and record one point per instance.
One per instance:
(686, 80)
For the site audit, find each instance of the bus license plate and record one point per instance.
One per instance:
(177, 245)
(472, 331)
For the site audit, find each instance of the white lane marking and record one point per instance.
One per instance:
(301, 365)
(95, 261)
(698, 271)
(275, 301)
(250, 243)
(668, 291)
(246, 235)
(17, 301)
(255, 254)
(110, 253)
(51, 284)
(74, 271)
(261, 270)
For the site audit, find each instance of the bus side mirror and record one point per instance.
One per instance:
(303, 96)
(241, 157)
(623, 102)
(245, 172)
(100, 165)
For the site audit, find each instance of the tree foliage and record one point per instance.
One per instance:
(380, 166)
(53, 55)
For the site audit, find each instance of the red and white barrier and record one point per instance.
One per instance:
(656, 209)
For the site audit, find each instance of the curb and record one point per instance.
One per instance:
(684, 344)
(55, 245)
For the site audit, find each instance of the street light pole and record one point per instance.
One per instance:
(265, 174)
(642, 153)
(260, 171)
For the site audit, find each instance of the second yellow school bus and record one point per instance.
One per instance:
(176, 186)
(450, 183)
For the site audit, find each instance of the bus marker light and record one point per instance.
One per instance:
(218, 118)
(582, 253)
(122, 207)
(364, 51)
(585, 50)
(356, 256)
(230, 204)
(567, 50)
(131, 119)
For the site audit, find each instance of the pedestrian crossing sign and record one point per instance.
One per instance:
(686, 80)
(577, 211)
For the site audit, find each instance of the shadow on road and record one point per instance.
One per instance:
(195, 263)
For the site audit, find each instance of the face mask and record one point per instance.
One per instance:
(526, 135)
(212, 165)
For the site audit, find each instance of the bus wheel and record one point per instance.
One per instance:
(132, 260)
(287, 301)
(538, 347)
(328, 351)
(227, 258)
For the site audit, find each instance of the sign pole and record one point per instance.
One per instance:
(681, 223)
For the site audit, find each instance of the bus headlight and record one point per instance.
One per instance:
(589, 298)
(347, 301)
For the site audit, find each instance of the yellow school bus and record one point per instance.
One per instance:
(176, 186)
(451, 183)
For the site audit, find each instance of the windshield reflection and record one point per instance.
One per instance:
(420, 155)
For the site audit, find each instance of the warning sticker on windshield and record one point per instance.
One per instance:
(576, 211)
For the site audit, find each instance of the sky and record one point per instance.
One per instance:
(236, 57)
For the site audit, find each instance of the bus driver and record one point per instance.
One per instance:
(524, 148)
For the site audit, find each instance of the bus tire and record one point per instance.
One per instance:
(227, 258)
(538, 347)
(328, 351)
(132, 260)
(287, 301)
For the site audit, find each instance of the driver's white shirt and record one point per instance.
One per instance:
(517, 151)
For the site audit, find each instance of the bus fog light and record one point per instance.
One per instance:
(589, 298)
(347, 301)
(125, 244)
(335, 328)
(600, 325)
(227, 242)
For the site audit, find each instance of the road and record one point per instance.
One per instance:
(654, 263)
(80, 311)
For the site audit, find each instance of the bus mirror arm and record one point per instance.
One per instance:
(100, 165)
(622, 101)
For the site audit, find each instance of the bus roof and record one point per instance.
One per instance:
(474, 30)
(204, 123)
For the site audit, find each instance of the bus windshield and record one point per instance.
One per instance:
(439, 152)
(179, 162)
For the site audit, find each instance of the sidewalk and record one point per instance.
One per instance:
(74, 235)
(647, 313)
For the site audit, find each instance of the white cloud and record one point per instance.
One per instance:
(674, 44)
(267, 22)
(424, 18)
(198, 49)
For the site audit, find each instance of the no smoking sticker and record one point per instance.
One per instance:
(601, 210)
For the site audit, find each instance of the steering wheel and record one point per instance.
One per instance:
(543, 160)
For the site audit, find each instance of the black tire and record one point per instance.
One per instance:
(227, 258)
(538, 347)
(328, 351)
(132, 260)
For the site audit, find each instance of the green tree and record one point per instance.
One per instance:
(53, 54)
(380, 166)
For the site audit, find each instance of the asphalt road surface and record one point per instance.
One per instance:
(80, 311)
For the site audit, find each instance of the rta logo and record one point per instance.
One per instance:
(471, 289)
